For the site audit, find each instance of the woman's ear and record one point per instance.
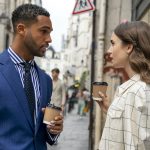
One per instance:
(129, 48)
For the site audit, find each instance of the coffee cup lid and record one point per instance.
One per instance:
(100, 83)
(55, 107)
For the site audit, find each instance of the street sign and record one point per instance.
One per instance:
(83, 6)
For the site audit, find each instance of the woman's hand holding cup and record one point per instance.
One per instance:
(99, 95)
(104, 103)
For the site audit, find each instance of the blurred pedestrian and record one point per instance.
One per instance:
(59, 90)
(25, 89)
(127, 124)
(72, 99)
(87, 101)
(81, 102)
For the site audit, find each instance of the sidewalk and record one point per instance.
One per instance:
(75, 134)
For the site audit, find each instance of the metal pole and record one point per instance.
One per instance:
(93, 47)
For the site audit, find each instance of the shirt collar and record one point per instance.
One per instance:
(125, 86)
(16, 58)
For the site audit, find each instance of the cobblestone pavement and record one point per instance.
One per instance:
(75, 133)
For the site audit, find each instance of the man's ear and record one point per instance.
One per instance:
(21, 29)
(129, 48)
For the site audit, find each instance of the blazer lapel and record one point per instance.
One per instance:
(43, 98)
(12, 76)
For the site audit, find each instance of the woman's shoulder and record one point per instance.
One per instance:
(135, 84)
(139, 86)
(138, 95)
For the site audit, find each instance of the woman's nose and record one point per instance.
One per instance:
(109, 50)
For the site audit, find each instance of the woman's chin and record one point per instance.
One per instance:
(117, 66)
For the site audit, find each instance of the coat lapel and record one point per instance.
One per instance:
(12, 76)
(43, 98)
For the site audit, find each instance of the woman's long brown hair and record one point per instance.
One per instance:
(137, 33)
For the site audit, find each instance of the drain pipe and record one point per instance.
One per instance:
(93, 47)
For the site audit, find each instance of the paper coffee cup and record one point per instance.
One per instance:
(51, 111)
(99, 87)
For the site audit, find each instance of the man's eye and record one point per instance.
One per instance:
(44, 31)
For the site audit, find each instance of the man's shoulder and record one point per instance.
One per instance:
(4, 57)
(3, 53)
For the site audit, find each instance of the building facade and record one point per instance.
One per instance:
(51, 60)
(78, 46)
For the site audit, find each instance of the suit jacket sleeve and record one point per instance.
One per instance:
(50, 138)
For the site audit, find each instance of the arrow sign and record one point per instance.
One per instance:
(83, 6)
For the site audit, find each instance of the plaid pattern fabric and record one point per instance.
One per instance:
(127, 125)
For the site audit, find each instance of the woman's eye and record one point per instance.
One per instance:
(112, 43)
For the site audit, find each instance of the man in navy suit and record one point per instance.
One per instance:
(19, 130)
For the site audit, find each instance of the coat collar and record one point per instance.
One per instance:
(125, 86)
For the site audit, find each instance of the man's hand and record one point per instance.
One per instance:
(56, 126)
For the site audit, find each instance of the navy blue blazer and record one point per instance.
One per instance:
(17, 131)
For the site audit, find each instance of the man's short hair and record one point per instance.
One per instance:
(55, 70)
(27, 13)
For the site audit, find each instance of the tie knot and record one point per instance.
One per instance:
(27, 66)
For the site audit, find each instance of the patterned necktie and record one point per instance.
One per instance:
(29, 90)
